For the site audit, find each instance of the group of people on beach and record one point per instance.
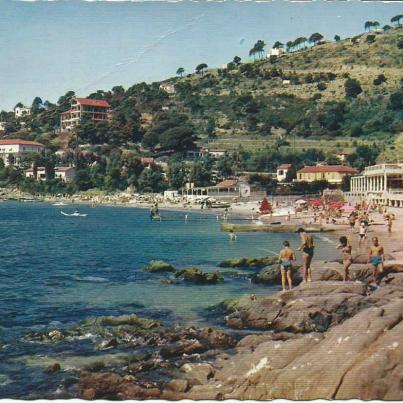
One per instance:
(287, 256)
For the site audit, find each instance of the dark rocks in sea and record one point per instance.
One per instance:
(250, 262)
(159, 266)
(197, 276)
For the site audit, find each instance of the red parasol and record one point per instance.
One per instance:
(265, 207)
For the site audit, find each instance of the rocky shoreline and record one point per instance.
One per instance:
(329, 339)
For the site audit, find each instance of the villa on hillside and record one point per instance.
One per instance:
(97, 110)
(66, 174)
(334, 174)
(282, 170)
(168, 88)
(22, 111)
(381, 183)
(13, 150)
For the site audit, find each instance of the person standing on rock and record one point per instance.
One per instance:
(286, 257)
(346, 250)
(307, 248)
(376, 256)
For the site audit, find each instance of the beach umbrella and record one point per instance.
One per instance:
(315, 202)
(265, 207)
(300, 201)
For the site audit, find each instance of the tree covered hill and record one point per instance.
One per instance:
(312, 101)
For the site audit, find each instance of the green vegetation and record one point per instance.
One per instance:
(315, 100)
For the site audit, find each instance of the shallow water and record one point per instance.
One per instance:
(56, 270)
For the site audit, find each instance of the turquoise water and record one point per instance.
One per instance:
(56, 270)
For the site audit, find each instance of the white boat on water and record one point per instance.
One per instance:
(75, 214)
(59, 204)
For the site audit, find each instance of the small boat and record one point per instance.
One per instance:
(59, 204)
(75, 214)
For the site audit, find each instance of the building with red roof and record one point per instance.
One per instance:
(13, 150)
(332, 173)
(97, 110)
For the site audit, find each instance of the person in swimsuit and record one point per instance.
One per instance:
(376, 256)
(351, 219)
(307, 248)
(286, 257)
(346, 250)
(363, 232)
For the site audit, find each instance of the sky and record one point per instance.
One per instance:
(50, 47)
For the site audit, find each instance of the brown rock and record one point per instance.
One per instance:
(198, 373)
(178, 385)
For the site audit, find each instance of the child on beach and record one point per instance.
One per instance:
(307, 248)
(376, 256)
(286, 257)
(363, 232)
(346, 250)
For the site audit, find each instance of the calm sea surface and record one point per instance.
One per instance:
(56, 270)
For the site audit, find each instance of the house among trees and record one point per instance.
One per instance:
(276, 52)
(66, 174)
(147, 162)
(282, 170)
(21, 111)
(97, 110)
(168, 88)
(13, 150)
(321, 172)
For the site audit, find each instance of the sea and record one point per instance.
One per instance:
(57, 270)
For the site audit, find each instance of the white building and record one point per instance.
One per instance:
(66, 174)
(3, 126)
(276, 52)
(22, 111)
(381, 183)
(11, 150)
(168, 88)
(282, 170)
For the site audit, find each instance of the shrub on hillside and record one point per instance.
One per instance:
(352, 88)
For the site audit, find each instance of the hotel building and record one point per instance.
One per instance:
(97, 110)
(381, 183)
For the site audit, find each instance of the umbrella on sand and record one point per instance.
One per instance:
(300, 201)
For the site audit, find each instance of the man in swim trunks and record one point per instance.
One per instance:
(376, 255)
(345, 248)
(307, 248)
(286, 257)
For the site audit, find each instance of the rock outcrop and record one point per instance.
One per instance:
(159, 266)
(250, 262)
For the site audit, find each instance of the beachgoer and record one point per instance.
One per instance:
(346, 250)
(363, 232)
(376, 256)
(307, 248)
(389, 223)
(232, 235)
(286, 257)
(351, 220)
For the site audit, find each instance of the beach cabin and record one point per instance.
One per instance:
(282, 170)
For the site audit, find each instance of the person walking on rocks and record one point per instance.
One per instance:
(376, 256)
(307, 248)
(286, 257)
(346, 250)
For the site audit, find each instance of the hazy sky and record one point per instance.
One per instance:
(50, 47)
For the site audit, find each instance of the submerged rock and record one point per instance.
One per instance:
(195, 275)
(52, 369)
(159, 266)
(250, 262)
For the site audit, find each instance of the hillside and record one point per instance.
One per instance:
(306, 105)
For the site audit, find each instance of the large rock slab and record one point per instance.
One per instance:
(361, 358)
(307, 308)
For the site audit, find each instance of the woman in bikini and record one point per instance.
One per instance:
(346, 250)
(307, 248)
